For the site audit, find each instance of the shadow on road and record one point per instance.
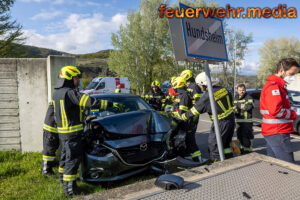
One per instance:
(259, 144)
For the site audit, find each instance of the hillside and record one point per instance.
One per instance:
(26, 51)
(91, 64)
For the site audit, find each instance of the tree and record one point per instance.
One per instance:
(237, 45)
(10, 30)
(143, 46)
(272, 51)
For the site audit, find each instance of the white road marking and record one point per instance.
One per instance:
(297, 137)
(205, 120)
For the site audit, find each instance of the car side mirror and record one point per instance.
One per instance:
(169, 182)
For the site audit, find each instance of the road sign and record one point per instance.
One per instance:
(196, 39)
(204, 37)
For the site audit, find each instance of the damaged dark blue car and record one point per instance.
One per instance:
(123, 144)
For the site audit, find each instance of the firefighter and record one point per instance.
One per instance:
(50, 141)
(193, 88)
(156, 97)
(185, 104)
(224, 107)
(278, 116)
(243, 105)
(69, 105)
(195, 92)
(118, 89)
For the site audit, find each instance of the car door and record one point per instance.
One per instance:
(256, 111)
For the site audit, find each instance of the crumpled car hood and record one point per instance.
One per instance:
(138, 122)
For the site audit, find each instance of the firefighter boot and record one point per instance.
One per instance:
(70, 188)
(47, 168)
(200, 159)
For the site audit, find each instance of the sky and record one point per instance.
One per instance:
(85, 26)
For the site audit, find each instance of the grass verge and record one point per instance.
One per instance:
(21, 178)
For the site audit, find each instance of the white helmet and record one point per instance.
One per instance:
(201, 79)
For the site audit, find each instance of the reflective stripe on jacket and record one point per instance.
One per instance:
(275, 108)
(244, 107)
(223, 104)
(69, 106)
(195, 92)
(50, 123)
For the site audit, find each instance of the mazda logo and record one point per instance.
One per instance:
(143, 147)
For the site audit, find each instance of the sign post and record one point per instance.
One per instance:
(198, 39)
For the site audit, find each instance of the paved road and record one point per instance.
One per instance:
(259, 144)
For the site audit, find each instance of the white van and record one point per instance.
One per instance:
(107, 85)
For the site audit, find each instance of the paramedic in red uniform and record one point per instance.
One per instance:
(277, 121)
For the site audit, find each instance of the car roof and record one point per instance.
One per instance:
(113, 95)
(252, 90)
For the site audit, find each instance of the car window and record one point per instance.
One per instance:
(101, 86)
(91, 85)
(130, 104)
(255, 95)
(294, 96)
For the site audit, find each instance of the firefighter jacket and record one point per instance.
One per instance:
(185, 100)
(156, 99)
(244, 106)
(275, 108)
(69, 106)
(50, 123)
(195, 91)
(223, 100)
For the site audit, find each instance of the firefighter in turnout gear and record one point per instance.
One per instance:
(185, 104)
(243, 105)
(193, 88)
(195, 92)
(69, 105)
(50, 141)
(156, 97)
(223, 100)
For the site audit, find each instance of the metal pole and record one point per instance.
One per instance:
(234, 83)
(214, 111)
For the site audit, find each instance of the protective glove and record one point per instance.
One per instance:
(119, 106)
(176, 116)
(90, 118)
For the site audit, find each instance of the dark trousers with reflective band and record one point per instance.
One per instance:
(279, 146)
(226, 131)
(190, 139)
(50, 145)
(71, 154)
(245, 135)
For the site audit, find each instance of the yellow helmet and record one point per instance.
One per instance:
(68, 72)
(173, 78)
(186, 74)
(178, 82)
(155, 84)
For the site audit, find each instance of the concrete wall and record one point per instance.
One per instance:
(24, 88)
(54, 64)
(33, 101)
(9, 106)
(295, 84)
